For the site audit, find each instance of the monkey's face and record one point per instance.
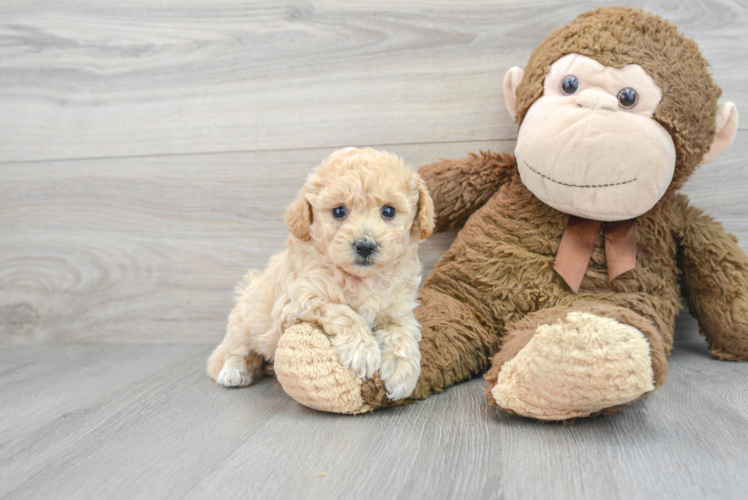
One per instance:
(589, 146)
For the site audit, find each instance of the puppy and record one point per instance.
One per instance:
(350, 266)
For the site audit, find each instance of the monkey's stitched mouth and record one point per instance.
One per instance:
(578, 185)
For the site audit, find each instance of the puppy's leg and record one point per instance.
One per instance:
(240, 365)
(216, 360)
(401, 358)
(240, 370)
(350, 336)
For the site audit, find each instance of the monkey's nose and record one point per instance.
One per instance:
(365, 248)
(597, 100)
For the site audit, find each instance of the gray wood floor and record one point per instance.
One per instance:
(145, 422)
(147, 153)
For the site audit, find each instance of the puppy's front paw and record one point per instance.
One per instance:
(361, 355)
(400, 375)
(233, 376)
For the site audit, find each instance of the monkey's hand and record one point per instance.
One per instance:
(715, 272)
(460, 187)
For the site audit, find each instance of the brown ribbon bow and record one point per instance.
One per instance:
(579, 237)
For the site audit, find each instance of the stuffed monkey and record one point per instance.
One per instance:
(565, 278)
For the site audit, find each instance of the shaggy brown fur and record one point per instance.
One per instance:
(496, 283)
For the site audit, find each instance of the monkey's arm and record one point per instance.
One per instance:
(460, 187)
(715, 272)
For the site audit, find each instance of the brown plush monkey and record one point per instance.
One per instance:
(566, 275)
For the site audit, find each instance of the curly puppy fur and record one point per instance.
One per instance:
(364, 303)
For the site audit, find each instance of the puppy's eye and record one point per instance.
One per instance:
(570, 84)
(627, 98)
(339, 212)
(388, 212)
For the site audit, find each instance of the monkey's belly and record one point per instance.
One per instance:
(501, 264)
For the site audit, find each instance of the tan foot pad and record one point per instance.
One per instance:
(575, 367)
(309, 371)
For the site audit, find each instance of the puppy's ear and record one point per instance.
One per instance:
(299, 216)
(423, 224)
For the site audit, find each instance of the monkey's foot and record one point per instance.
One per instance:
(310, 372)
(579, 365)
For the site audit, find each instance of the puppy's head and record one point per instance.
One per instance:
(362, 208)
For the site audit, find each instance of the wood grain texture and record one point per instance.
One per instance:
(100, 79)
(149, 249)
(144, 241)
(125, 422)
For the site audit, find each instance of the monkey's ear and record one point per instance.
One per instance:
(727, 127)
(299, 216)
(423, 223)
(511, 81)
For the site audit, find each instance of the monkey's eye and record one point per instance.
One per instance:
(570, 84)
(339, 212)
(627, 98)
(388, 212)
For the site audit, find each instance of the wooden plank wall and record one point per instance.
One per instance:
(148, 150)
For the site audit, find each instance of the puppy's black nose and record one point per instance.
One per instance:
(365, 248)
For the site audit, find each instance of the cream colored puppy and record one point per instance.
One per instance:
(350, 266)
